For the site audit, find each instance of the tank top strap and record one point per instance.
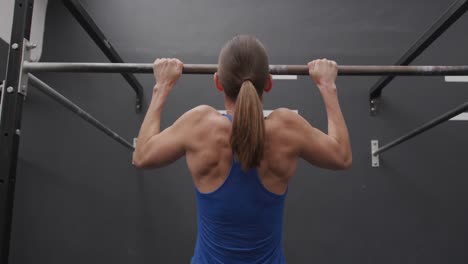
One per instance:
(229, 116)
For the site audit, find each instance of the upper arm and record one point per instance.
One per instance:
(311, 144)
(170, 144)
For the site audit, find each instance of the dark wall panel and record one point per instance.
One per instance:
(79, 200)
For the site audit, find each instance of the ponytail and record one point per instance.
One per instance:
(248, 128)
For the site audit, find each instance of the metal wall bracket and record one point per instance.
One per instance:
(454, 12)
(78, 11)
(2, 85)
(374, 103)
(23, 81)
(134, 146)
(375, 158)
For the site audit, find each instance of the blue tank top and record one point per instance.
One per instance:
(240, 222)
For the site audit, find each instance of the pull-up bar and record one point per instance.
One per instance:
(345, 70)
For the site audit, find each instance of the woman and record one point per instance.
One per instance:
(240, 162)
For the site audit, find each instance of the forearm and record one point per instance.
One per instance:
(152, 123)
(337, 128)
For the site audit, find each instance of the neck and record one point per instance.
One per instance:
(229, 105)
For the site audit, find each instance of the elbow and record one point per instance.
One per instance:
(144, 161)
(348, 163)
(344, 163)
(138, 162)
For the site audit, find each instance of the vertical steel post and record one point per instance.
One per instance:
(10, 122)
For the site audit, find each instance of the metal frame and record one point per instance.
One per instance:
(450, 16)
(376, 151)
(14, 90)
(11, 106)
(1, 97)
(88, 24)
(10, 122)
(350, 70)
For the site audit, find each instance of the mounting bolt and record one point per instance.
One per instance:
(10, 89)
(372, 109)
(14, 46)
(18, 132)
(31, 46)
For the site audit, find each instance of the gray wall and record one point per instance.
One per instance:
(79, 200)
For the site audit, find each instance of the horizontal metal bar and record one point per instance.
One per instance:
(436, 121)
(450, 16)
(349, 70)
(49, 91)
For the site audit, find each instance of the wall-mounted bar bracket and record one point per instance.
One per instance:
(374, 105)
(23, 79)
(375, 158)
(447, 19)
(2, 85)
(376, 150)
(89, 25)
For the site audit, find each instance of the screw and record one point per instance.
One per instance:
(32, 46)
(18, 132)
(372, 101)
(372, 109)
(14, 46)
(10, 89)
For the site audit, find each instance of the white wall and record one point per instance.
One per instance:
(37, 30)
